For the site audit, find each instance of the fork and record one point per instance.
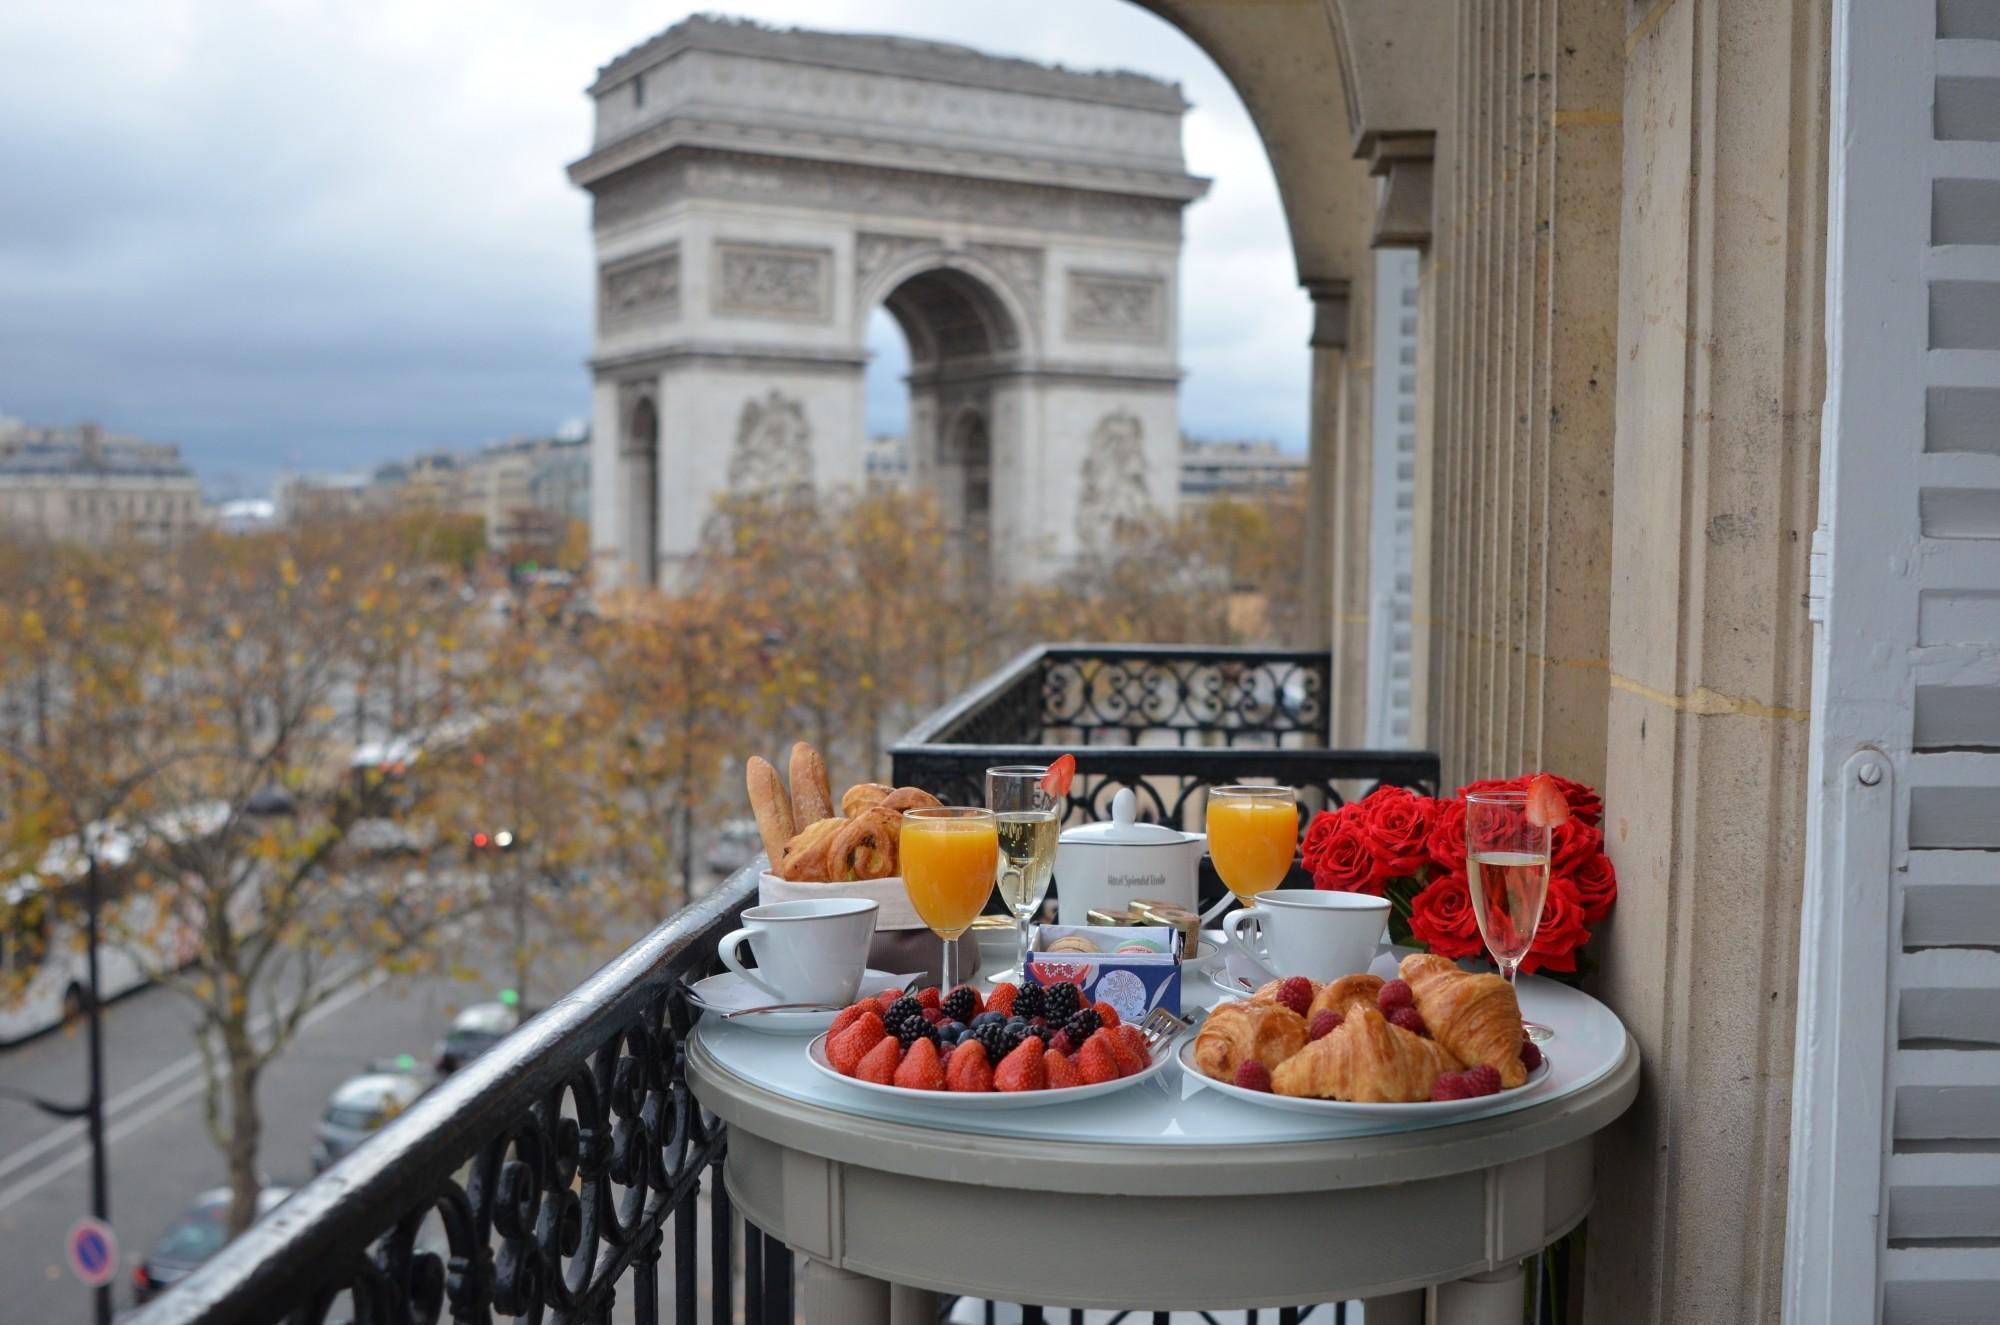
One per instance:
(1160, 1029)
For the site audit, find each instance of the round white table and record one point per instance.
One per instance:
(1166, 1195)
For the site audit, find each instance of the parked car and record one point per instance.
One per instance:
(474, 1031)
(198, 1234)
(359, 1108)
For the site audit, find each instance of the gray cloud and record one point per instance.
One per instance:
(319, 234)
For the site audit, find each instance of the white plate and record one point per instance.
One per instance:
(1426, 1109)
(997, 1099)
(729, 991)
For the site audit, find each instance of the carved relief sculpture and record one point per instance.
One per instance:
(1113, 307)
(648, 284)
(773, 452)
(1112, 490)
(763, 280)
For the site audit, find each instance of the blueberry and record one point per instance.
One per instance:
(1017, 1023)
(988, 1019)
(951, 1030)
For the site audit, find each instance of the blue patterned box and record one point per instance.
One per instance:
(1135, 969)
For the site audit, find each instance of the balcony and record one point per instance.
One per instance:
(570, 1172)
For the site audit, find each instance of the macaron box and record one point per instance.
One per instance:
(1133, 968)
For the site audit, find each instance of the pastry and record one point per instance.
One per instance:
(1364, 1060)
(1072, 943)
(910, 798)
(1339, 995)
(772, 807)
(864, 847)
(1474, 1016)
(812, 796)
(806, 854)
(1267, 1032)
(862, 796)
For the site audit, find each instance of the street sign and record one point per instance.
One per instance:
(93, 1251)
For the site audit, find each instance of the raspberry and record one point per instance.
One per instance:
(1408, 1019)
(1531, 1055)
(1481, 1080)
(1061, 1072)
(927, 997)
(1393, 995)
(931, 1015)
(1022, 1069)
(1106, 1014)
(1094, 1062)
(1001, 1000)
(920, 1069)
(1063, 1044)
(879, 1064)
(1297, 994)
(1449, 1086)
(845, 1050)
(968, 1071)
(848, 1016)
(1323, 1022)
(1253, 1075)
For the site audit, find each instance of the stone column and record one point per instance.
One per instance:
(1329, 347)
(1353, 512)
(1721, 374)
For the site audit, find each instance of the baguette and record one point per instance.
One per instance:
(772, 807)
(812, 794)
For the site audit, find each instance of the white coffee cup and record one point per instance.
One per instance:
(1321, 935)
(807, 952)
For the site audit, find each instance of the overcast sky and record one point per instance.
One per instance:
(311, 234)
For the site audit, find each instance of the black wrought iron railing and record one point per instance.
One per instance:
(1169, 721)
(561, 1172)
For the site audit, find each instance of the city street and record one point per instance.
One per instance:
(160, 1151)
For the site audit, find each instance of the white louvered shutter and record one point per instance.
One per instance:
(1895, 1197)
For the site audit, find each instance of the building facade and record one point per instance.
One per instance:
(1244, 470)
(757, 193)
(82, 484)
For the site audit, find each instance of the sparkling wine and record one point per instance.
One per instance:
(1027, 858)
(1508, 888)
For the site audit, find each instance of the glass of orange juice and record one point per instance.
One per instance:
(1253, 834)
(950, 854)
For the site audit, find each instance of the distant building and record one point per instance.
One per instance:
(887, 461)
(310, 496)
(1240, 469)
(83, 484)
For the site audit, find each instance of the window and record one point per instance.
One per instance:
(638, 92)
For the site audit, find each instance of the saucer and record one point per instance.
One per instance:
(729, 991)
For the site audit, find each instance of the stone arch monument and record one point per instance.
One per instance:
(757, 193)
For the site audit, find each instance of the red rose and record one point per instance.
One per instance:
(1571, 843)
(1317, 831)
(1347, 861)
(1446, 840)
(1584, 802)
(1441, 918)
(1596, 884)
(1397, 821)
(1561, 932)
(1491, 784)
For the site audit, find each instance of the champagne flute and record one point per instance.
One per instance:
(949, 856)
(1253, 834)
(1027, 818)
(1507, 866)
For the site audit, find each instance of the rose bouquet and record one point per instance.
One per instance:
(1410, 848)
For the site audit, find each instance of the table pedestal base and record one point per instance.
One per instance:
(1493, 1298)
(840, 1297)
(1395, 1308)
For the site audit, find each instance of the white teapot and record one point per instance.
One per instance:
(1108, 866)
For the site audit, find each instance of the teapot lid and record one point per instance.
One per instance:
(1124, 828)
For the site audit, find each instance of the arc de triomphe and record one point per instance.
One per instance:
(758, 192)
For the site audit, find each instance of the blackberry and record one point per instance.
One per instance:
(1030, 1002)
(994, 1036)
(1061, 1002)
(914, 1029)
(1082, 1024)
(900, 1013)
(960, 1003)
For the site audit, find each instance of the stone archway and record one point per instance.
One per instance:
(639, 490)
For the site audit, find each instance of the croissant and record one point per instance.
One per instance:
(1364, 1060)
(1474, 1016)
(862, 796)
(909, 798)
(1267, 1032)
(865, 847)
(806, 854)
(1339, 995)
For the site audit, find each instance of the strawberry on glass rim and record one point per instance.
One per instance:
(1547, 806)
(1061, 773)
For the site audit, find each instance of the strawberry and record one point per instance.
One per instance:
(1297, 994)
(879, 1064)
(1001, 1000)
(1547, 807)
(1022, 1069)
(848, 1016)
(1129, 1048)
(888, 996)
(968, 1070)
(1106, 1014)
(1061, 1072)
(920, 1069)
(845, 1050)
(1094, 1063)
(1060, 774)
(928, 997)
